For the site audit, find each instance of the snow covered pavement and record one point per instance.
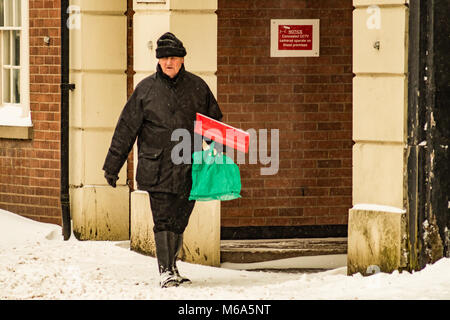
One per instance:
(35, 263)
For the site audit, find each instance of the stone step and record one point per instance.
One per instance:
(249, 251)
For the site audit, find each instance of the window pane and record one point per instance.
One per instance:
(6, 48)
(6, 85)
(16, 86)
(16, 48)
(18, 16)
(2, 13)
(8, 13)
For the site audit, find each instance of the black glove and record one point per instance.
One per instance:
(218, 147)
(111, 179)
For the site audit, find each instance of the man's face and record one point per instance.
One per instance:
(171, 65)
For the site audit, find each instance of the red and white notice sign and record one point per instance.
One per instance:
(294, 38)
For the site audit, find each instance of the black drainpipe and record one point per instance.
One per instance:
(416, 150)
(65, 87)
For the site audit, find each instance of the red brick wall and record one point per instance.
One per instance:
(30, 170)
(308, 99)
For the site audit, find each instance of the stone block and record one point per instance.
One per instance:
(99, 43)
(191, 28)
(378, 173)
(100, 213)
(390, 33)
(375, 239)
(141, 224)
(88, 150)
(201, 238)
(139, 5)
(193, 5)
(118, 6)
(198, 31)
(96, 144)
(97, 100)
(148, 27)
(379, 108)
(378, 2)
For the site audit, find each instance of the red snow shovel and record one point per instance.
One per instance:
(222, 133)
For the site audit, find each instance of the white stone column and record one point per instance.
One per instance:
(98, 62)
(377, 221)
(194, 22)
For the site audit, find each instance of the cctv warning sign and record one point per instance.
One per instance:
(294, 38)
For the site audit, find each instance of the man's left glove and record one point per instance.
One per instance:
(111, 179)
(218, 147)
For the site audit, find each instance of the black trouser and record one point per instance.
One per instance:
(170, 211)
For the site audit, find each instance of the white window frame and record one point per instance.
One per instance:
(17, 114)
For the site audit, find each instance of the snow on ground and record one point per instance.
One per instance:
(35, 263)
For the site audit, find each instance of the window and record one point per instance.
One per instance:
(14, 73)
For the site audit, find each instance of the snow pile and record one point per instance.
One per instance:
(377, 207)
(35, 263)
(15, 228)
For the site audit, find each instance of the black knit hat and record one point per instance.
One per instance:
(169, 46)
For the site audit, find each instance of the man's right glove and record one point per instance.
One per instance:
(111, 179)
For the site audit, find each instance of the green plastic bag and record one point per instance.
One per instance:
(214, 177)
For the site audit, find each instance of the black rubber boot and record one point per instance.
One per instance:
(178, 247)
(166, 243)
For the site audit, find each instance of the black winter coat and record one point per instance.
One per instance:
(157, 107)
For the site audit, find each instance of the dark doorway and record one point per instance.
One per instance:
(429, 132)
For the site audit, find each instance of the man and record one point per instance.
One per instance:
(161, 103)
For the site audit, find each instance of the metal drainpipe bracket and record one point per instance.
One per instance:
(67, 86)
